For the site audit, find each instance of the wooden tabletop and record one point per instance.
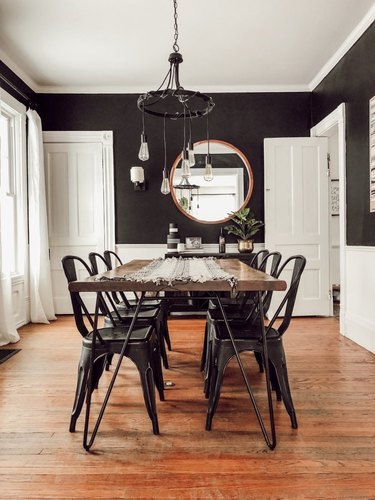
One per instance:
(248, 280)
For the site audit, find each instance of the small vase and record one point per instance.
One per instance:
(245, 246)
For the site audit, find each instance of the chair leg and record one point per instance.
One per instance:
(220, 361)
(160, 336)
(81, 388)
(278, 360)
(108, 361)
(164, 315)
(259, 359)
(158, 371)
(148, 386)
(204, 350)
(99, 366)
(275, 383)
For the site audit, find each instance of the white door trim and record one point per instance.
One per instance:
(105, 137)
(337, 118)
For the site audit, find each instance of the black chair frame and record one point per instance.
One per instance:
(138, 343)
(267, 341)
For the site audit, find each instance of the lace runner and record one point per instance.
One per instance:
(167, 271)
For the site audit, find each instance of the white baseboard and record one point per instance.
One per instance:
(361, 331)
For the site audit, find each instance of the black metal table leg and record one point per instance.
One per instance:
(271, 443)
(87, 444)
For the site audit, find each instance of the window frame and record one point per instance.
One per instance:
(16, 112)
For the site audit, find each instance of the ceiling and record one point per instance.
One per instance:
(227, 45)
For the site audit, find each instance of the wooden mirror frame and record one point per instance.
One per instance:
(248, 168)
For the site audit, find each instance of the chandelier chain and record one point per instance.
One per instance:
(176, 47)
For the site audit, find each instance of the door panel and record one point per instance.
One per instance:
(297, 216)
(74, 180)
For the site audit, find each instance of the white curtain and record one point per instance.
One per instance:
(8, 331)
(41, 303)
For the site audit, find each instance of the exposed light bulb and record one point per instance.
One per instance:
(191, 154)
(165, 188)
(185, 165)
(208, 173)
(143, 150)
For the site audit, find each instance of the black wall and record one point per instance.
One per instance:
(352, 81)
(244, 120)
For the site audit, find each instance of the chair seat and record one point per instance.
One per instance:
(127, 315)
(232, 303)
(233, 314)
(118, 334)
(239, 333)
(152, 304)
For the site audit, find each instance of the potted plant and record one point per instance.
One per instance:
(245, 227)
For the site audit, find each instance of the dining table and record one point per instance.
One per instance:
(146, 276)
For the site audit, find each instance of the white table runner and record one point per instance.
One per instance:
(161, 271)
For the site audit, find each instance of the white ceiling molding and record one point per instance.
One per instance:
(207, 89)
(18, 71)
(345, 47)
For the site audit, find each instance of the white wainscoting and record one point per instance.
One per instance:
(360, 310)
(129, 252)
(20, 301)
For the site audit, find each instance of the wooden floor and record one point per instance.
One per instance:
(331, 455)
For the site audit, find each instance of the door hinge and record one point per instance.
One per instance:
(328, 165)
(330, 294)
(49, 254)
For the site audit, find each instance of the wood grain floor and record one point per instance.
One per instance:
(331, 455)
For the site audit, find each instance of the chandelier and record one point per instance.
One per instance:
(174, 102)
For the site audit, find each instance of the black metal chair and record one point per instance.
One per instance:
(113, 260)
(142, 349)
(122, 313)
(247, 337)
(241, 309)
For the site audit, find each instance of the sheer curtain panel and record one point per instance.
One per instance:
(8, 331)
(41, 302)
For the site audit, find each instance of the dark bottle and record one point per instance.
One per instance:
(221, 241)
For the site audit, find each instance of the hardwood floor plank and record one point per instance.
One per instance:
(330, 455)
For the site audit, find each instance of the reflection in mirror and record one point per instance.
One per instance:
(210, 201)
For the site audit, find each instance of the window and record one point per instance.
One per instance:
(13, 247)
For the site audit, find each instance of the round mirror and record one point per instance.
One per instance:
(206, 197)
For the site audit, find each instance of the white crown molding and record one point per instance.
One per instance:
(354, 36)
(48, 89)
(18, 71)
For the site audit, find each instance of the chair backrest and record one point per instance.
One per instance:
(299, 263)
(94, 258)
(274, 258)
(80, 312)
(257, 258)
(109, 255)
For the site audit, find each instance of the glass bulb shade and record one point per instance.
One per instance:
(208, 174)
(191, 156)
(137, 174)
(143, 150)
(185, 168)
(165, 188)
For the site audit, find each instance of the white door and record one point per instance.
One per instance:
(297, 215)
(74, 178)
